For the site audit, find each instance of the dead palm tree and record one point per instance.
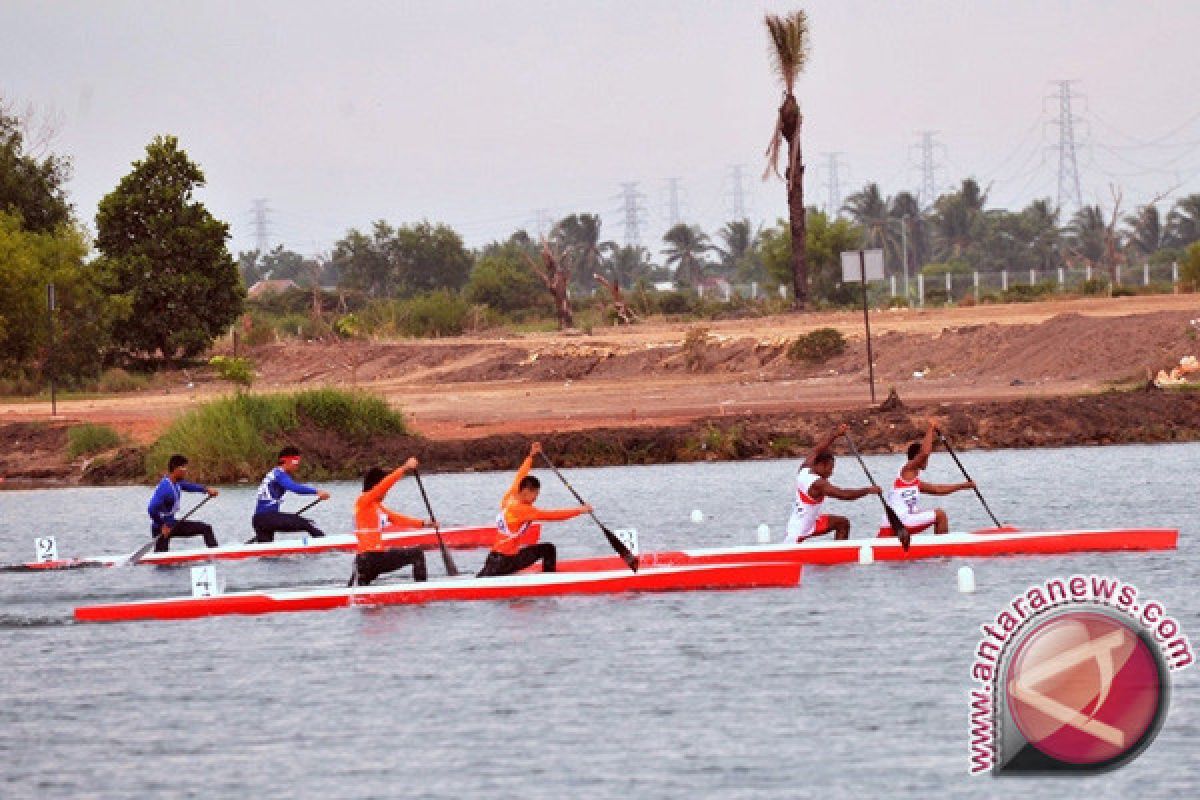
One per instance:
(789, 54)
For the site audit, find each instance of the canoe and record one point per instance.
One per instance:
(652, 579)
(425, 538)
(974, 544)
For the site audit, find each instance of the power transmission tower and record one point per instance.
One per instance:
(674, 213)
(833, 204)
(542, 222)
(735, 195)
(1068, 167)
(262, 225)
(929, 167)
(634, 211)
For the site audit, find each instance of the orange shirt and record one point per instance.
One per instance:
(369, 507)
(516, 516)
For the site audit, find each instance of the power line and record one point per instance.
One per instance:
(1068, 166)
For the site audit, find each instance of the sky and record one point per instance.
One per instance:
(495, 116)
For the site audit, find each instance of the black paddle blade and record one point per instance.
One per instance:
(141, 551)
(898, 527)
(629, 558)
(56, 568)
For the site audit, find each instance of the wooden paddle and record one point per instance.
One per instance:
(629, 558)
(140, 553)
(451, 569)
(893, 518)
(946, 443)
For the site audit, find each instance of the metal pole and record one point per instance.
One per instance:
(904, 248)
(862, 274)
(50, 360)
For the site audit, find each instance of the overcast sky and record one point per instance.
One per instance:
(480, 114)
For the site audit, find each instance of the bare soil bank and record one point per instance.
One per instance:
(1147, 415)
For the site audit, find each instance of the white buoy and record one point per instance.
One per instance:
(966, 580)
(764, 533)
(697, 516)
(866, 555)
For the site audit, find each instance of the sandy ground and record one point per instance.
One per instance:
(471, 386)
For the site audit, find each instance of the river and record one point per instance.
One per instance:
(854, 684)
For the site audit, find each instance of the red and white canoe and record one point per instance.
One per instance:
(975, 544)
(425, 538)
(652, 579)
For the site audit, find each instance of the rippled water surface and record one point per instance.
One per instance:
(854, 684)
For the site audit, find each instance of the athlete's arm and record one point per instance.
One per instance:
(824, 445)
(838, 493)
(939, 489)
(401, 520)
(522, 471)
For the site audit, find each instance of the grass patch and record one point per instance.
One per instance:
(86, 439)
(239, 436)
(817, 346)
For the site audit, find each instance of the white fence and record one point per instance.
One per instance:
(953, 287)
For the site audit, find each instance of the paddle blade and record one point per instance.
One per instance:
(451, 567)
(629, 558)
(898, 527)
(140, 553)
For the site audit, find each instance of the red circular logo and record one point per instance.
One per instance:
(1085, 688)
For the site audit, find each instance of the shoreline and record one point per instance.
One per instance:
(1146, 416)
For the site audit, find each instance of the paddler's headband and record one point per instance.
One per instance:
(290, 461)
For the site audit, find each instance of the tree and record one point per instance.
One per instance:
(955, 220)
(628, 264)
(165, 251)
(366, 262)
(554, 274)
(1183, 223)
(504, 281)
(907, 223)
(87, 309)
(827, 239)
(740, 256)
(430, 257)
(1086, 235)
(279, 264)
(789, 53)
(29, 187)
(577, 236)
(686, 246)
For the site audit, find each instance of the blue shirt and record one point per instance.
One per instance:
(164, 503)
(274, 485)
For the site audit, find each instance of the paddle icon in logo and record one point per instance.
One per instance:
(1080, 690)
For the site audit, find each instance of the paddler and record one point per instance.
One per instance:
(813, 488)
(373, 558)
(509, 553)
(904, 494)
(164, 505)
(268, 520)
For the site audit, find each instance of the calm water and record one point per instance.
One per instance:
(852, 685)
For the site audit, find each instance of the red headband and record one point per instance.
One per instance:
(290, 460)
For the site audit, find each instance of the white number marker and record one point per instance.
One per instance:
(47, 549)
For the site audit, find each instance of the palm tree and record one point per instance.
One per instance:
(1040, 223)
(869, 210)
(1088, 235)
(686, 246)
(906, 218)
(956, 219)
(1144, 233)
(1183, 223)
(577, 237)
(741, 241)
(628, 264)
(789, 54)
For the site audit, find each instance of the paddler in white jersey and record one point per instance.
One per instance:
(905, 492)
(812, 488)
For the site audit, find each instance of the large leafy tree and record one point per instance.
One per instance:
(627, 264)
(31, 187)
(166, 252)
(827, 239)
(738, 250)
(686, 248)
(430, 257)
(504, 281)
(1144, 233)
(956, 220)
(577, 236)
(367, 262)
(789, 40)
(1087, 235)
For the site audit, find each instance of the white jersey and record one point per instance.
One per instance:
(805, 510)
(904, 497)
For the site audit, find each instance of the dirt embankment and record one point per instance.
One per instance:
(1107, 418)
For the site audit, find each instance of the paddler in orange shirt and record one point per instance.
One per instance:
(373, 558)
(517, 513)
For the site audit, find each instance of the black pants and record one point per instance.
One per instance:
(187, 527)
(369, 566)
(269, 523)
(500, 564)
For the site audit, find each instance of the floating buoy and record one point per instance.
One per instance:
(866, 555)
(764, 533)
(966, 580)
(697, 516)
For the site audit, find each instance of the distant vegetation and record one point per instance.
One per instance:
(88, 439)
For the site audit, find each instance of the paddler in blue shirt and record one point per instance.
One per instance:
(268, 520)
(164, 505)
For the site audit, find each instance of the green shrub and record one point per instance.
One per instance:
(239, 371)
(674, 302)
(356, 415)
(1094, 287)
(118, 380)
(817, 346)
(302, 326)
(437, 313)
(695, 344)
(86, 439)
(1189, 268)
(1125, 291)
(1026, 293)
(260, 331)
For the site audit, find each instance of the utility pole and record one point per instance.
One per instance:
(833, 203)
(51, 356)
(1068, 167)
(634, 211)
(262, 225)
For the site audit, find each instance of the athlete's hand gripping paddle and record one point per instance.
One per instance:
(451, 569)
(893, 518)
(629, 558)
(139, 554)
(946, 443)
